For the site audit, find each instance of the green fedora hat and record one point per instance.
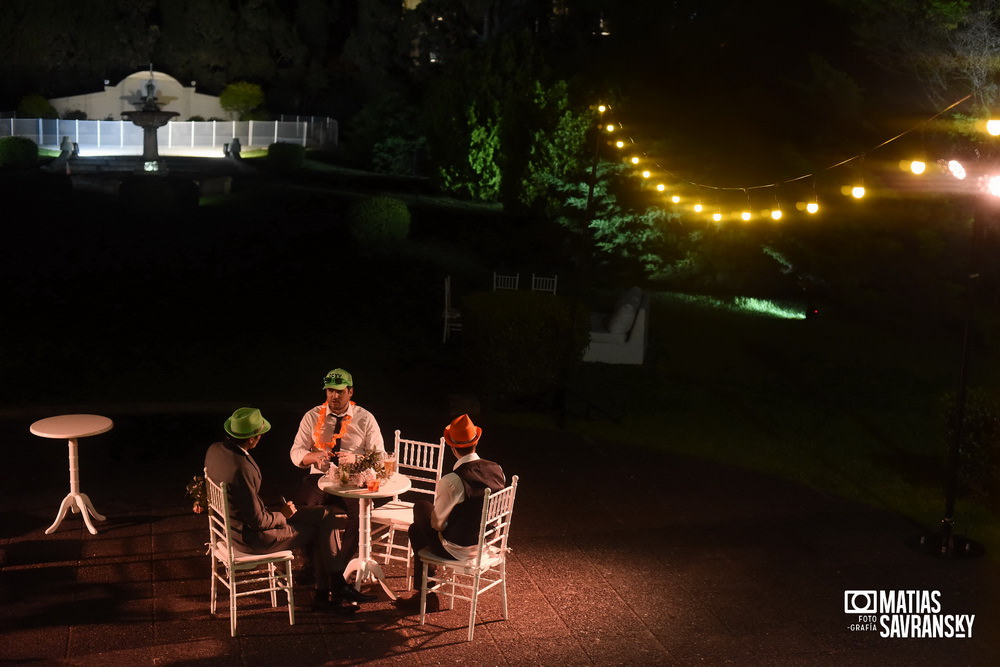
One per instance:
(246, 423)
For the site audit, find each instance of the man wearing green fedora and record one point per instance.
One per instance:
(336, 430)
(256, 528)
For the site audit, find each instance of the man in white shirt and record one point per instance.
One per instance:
(340, 430)
(450, 527)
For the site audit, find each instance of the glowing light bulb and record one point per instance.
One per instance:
(717, 216)
(956, 169)
(812, 207)
(918, 167)
(776, 214)
(661, 187)
(619, 144)
(635, 160)
(676, 199)
(993, 127)
(993, 185)
(609, 127)
(601, 108)
(698, 208)
(746, 216)
(646, 174)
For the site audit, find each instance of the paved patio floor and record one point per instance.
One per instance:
(678, 562)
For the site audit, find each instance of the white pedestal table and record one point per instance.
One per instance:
(71, 428)
(364, 566)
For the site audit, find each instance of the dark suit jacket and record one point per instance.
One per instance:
(258, 526)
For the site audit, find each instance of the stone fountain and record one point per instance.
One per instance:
(150, 117)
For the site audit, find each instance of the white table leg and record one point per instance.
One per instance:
(74, 500)
(364, 565)
(63, 508)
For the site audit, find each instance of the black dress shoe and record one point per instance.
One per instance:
(322, 602)
(347, 592)
(411, 604)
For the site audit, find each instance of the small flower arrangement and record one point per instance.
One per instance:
(196, 492)
(364, 468)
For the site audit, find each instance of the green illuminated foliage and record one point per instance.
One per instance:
(242, 99)
(18, 152)
(641, 236)
(36, 106)
(475, 174)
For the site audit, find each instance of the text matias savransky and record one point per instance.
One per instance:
(906, 613)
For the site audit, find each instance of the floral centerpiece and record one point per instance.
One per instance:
(364, 468)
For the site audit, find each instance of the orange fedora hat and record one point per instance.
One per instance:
(462, 432)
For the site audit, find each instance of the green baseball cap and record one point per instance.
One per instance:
(338, 378)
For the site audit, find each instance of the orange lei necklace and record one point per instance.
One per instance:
(318, 442)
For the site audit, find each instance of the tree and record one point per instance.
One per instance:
(35, 106)
(557, 149)
(499, 122)
(242, 99)
(950, 46)
(612, 230)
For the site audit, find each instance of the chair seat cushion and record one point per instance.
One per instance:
(491, 558)
(244, 558)
(396, 512)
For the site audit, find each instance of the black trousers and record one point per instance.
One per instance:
(423, 536)
(311, 529)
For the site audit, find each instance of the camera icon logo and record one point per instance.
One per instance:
(860, 602)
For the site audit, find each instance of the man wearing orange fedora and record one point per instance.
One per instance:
(450, 526)
(260, 530)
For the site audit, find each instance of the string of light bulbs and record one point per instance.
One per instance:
(857, 190)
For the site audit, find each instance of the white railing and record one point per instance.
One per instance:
(122, 137)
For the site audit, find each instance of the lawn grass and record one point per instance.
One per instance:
(847, 407)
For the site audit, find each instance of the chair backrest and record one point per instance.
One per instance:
(494, 527)
(421, 462)
(218, 519)
(504, 281)
(544, 283)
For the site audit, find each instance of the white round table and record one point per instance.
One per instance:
(364, 565)
(71, 428)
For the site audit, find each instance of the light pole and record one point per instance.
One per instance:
(946, 544)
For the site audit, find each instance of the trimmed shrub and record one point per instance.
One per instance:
(18, 152)
(34, 105)
(286, 157)
(75, 114)
(242, 98)
(520, 344)
(379, 221)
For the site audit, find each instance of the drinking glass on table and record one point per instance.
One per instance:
(389, 463)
